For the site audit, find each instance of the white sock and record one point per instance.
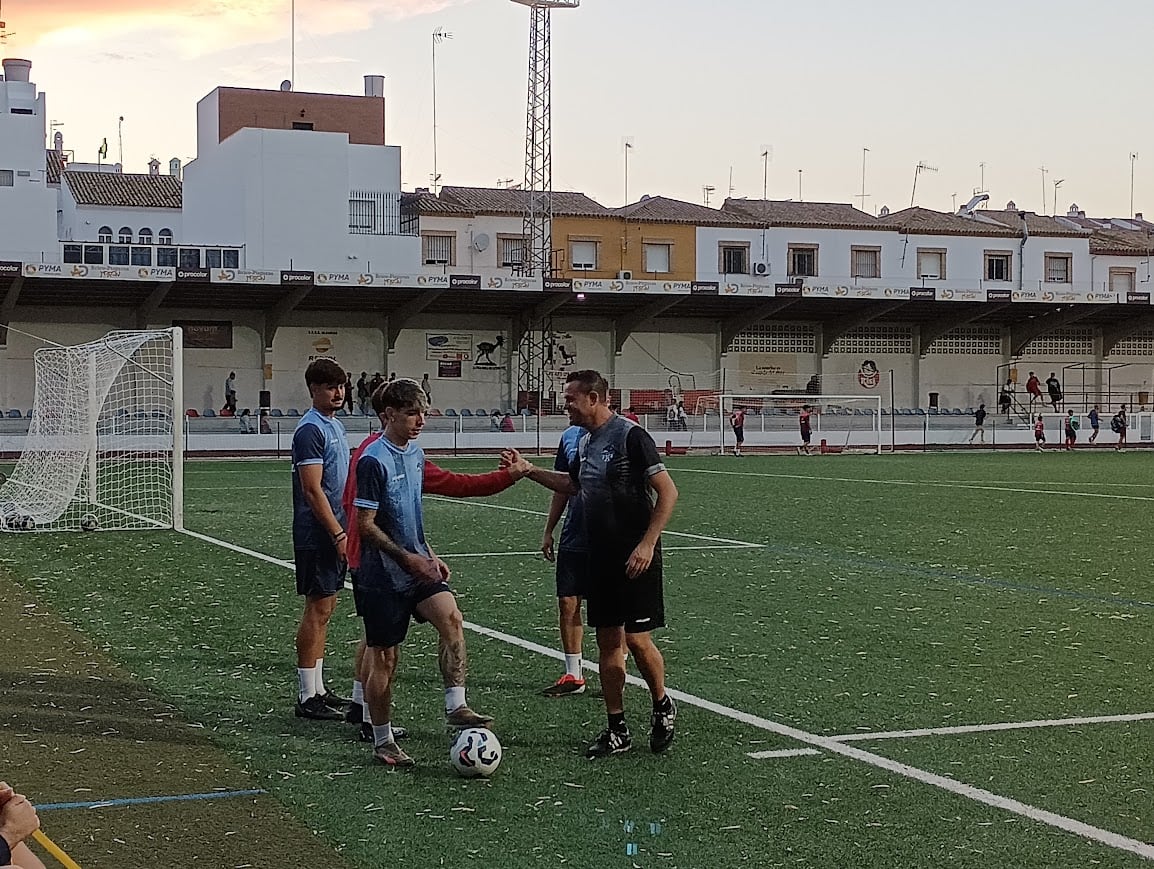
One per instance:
(306, 680)
(382, 733)
(320, 679)
(454, 698)
(573, 665)
(359, 692)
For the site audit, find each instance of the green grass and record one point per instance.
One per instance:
(888, 593)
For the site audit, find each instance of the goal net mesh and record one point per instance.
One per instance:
(845, 423)
(104, 439)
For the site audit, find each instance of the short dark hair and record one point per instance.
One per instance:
(324, 372)
(590, 381)
(400, 394)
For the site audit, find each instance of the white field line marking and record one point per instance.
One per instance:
(983, 728)
(737, 544)
(1061, 822)
(783, 752)
(537, 552)
(916, 483)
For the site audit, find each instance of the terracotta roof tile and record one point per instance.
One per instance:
(788, 213)
(487, 200)
(54, 165)
(125, 191)
(424, 202)
(1036, 224)
(661, 209)
(1122, 242)
(924, 221)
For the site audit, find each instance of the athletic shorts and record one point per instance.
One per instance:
(386, 613)
(739, 433)
(1040, 438)
(320, 573)
(572, 572)
(805, 436)
(614, 600)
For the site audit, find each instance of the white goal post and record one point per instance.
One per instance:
(846, 423)
(105, 445)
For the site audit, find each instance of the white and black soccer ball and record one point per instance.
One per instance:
(20, 522)
(476, 752)
(88, 522)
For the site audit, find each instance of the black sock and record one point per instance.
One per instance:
(663, 705)
(616, 720)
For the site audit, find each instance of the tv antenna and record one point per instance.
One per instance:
(918, 170)
(708, 190)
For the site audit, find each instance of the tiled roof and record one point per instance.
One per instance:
(424, 202)
(924, 221)
(660, 209)
(54, 165)
(788, 213)
(1036, 224)
(1121, 242)
(487, 200)
(125, 191)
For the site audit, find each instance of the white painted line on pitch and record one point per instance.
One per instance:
(738, 544)
(1061, 822)
(782, 752)
(537, 552)
(916, 483)
(984, 728)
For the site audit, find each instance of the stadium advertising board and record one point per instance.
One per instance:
(746, 288)
(245, 276)
(1138, 298)
(295, 278)
(787, 291)
(923, 294)
(999, 295)
(78, 271)
(206, 334)
(449, 346)
(705, 288)
(464, 282)
(194, 276)
(9, 268)
(517, 284)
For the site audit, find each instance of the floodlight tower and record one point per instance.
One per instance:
(536, 256)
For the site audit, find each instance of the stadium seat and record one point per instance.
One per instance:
(28, 415)
(451, 412)
(466, 412)
(342, 412)
(293, 412)
(480, 411)
(496, 411)
(435, 412)
(276, 411)
(15, 414)
(957, 411)
(209, 413)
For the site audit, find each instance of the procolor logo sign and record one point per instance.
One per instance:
(998, 295)
(464, 282)
(787, 291)
(1138, 298)
(298, 278)
(196, 275)
(923, 294)
(10, 268)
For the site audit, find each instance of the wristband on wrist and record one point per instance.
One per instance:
(339, 536)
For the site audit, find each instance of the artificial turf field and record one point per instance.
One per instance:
(824, 600)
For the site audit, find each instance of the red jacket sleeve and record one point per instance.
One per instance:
(438, 481)
(353, 543)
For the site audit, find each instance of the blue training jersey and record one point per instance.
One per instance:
(573, 531)
(389, 481)
(318, 440)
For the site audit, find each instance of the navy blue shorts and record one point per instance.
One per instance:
(614, 600)
(572, 572)
(386, 612)
(320, 573)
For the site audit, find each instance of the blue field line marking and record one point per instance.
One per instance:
(144, 801)
(954, 576)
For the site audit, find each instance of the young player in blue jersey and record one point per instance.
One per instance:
(400, 577)
(571, 558)
(320, 456)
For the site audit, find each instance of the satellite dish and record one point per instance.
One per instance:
(480, 242)
(286, 85)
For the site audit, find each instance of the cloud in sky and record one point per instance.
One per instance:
(202, 26)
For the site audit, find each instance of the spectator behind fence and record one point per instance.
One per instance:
(1054, 388)
(363, 393)
(507, 423)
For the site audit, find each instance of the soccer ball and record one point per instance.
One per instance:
(16, 522)
(475, 752)
(88, 522)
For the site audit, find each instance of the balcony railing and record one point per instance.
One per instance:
(374, 212)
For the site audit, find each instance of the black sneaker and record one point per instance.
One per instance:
(355, 714)
(334, 701)
(365, 734)
(661, 734)
(316, 709)
(610, 742)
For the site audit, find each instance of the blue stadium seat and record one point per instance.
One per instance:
(293, 412)
(957, 411)
(15, 414)
(466, 412)
(342, 412)
(905, 411)
(276, 411)
(480, 411)
(209, 413)
(451, 412)
(494, 411)
(29, 414)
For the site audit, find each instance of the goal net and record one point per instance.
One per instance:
(838, 423)
(105, 445)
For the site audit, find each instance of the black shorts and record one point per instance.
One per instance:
(572, 572)
(805, 436)
(320, 573)
(614, 600)
(386, 613)
(739, 433)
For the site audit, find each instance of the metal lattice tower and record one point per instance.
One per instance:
(534, 346)
(537, 247)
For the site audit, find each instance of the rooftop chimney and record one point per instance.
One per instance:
(1138, 215)
(153, 166)
(16, 69)
(375, 86)
(174, 167)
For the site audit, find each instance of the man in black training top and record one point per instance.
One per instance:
(617, 472)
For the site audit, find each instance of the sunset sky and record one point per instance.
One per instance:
(699, 89)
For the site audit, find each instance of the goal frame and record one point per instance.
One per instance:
(86, 492)
(727, 400)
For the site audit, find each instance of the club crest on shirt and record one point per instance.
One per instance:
(608, 455)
